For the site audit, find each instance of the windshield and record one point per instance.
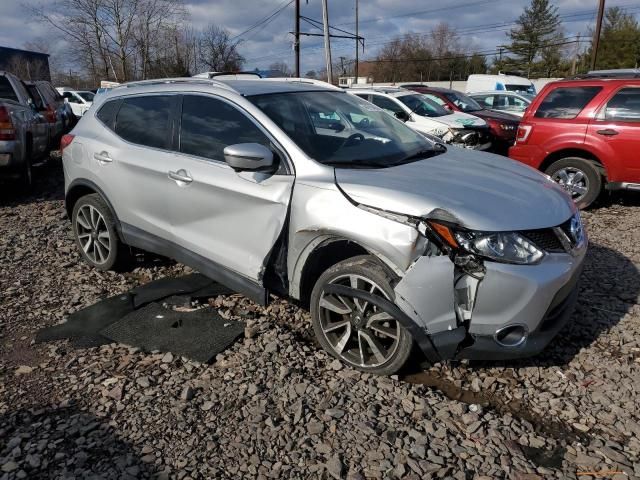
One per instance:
(530, 89)
(86, 96)
(463, 102)
(423, 106)
(339, 129)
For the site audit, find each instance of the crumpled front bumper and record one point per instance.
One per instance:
(538, 299)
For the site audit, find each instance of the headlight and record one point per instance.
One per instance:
(508, 247)
(505, 247)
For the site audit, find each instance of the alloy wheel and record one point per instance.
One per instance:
(574, 181)
(359, 332)
(93, 234)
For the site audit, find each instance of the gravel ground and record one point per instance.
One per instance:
(275, 406)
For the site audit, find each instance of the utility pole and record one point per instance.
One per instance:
(596, 37)
(575, 57)
(296, 44)
(327, 40)
(357, 43)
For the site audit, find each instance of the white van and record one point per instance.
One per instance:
(511, 83)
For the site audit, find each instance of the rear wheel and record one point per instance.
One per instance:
(356, 331)
(95, 233)
(579, 177)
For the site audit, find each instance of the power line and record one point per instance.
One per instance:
(265, 20)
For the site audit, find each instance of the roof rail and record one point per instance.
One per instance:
(173, 81)
(310, 81)
(613, 73)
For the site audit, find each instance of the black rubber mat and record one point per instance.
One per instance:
(199, 335)
(169, 286)
(83, 327)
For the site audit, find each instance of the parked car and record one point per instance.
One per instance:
(507, 102)
(391, 240)
(23, 131)
(502, 126)
(585, 134)
(426, 116)
(480, 82)
(78, 100)
(52, 109)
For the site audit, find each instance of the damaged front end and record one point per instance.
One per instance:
(490, 295)
(474, 138)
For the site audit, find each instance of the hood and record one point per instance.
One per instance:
(452, 120)
(482, 191)
(495, 115)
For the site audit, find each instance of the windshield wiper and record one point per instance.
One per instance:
(424, 154)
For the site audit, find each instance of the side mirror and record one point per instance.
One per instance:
(402, 115)
(248, 156)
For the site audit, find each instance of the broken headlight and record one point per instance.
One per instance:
(505, 247)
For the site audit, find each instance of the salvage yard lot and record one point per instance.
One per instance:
(276, 406)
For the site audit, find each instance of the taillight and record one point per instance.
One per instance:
(523, 133)
(65, 141)
(7, 132)
(50, 114)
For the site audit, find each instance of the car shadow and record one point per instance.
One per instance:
(48, 185)
(57, 442)
(609, 288)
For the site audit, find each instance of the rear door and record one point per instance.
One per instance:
(617, 125)
(231, 219)
(131, 157)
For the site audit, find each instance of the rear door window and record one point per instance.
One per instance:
(6, 90)
(145, 120)
(624, 106)
(386, 104)
(566, 102)
(208, 125)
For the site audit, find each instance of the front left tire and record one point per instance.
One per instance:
(355, 331)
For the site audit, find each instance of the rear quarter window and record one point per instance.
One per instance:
(107, 113)
(566, 102)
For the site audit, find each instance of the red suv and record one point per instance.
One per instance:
(584, 134)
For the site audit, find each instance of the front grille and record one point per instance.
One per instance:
(545, 238)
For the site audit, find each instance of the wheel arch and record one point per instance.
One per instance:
(81, 187)
(320, 255)
(574, 152)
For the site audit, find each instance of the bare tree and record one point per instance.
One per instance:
(217, 51)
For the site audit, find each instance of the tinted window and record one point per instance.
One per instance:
(35, 96)
(145, 120)
(6, 90)
(87, 96)
(624, 106)
(423, 106)
(209, 125)
(386, 104)
(463, 102)
(71, 97)
(566, 102)
(107, 113)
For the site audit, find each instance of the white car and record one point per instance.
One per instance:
(79, 100)
(502, 101)
(426, 116)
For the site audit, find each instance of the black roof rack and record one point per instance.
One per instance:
(619, 73)
(221, 74)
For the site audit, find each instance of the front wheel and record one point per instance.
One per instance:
(579, 177)
(354, 330)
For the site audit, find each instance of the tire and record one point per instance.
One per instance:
(94, 230)
(363, 334)
(587, 189)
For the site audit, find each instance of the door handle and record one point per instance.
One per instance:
(103, 157)
(608, 132)
(180, 176)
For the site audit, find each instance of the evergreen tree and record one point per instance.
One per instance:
(619, 41)
(537, 28)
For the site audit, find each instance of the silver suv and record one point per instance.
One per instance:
(299, 189)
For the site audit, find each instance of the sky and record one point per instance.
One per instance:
(482, 24)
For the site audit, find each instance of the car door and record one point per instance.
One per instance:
(130, 158)
(617, 125)
(230, 220)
